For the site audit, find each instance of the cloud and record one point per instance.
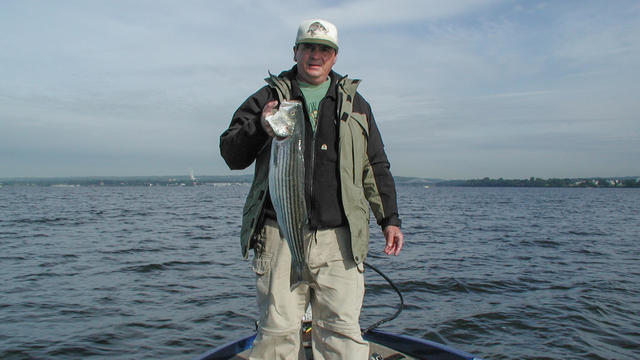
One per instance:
(462, 88)
(376, 13)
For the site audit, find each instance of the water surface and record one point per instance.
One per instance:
(135, 272)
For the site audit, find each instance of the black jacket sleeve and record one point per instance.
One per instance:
(242, 141)
(381, 166)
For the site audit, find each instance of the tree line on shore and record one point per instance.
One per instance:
(553, 182)
(620, 182)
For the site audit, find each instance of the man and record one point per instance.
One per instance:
(346, 172)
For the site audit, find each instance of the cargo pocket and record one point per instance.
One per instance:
(261, 264)
(266, 247)
(325, 247)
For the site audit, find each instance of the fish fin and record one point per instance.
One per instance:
(295, 278)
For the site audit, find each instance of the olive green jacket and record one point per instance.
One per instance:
(359, 188)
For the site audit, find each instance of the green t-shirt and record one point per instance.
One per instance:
(312, 96)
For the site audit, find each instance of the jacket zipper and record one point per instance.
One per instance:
(313, 160)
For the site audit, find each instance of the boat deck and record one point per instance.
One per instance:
(385, 353)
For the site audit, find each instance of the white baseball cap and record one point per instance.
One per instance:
(318, 31)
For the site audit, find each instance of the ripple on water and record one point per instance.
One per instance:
(157, 272)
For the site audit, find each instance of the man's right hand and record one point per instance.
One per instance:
(269, 109)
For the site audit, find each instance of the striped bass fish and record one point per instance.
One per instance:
(286, 181)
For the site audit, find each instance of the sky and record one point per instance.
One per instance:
(459, 89)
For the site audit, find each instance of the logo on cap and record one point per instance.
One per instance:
(316, 27)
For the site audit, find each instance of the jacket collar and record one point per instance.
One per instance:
(296, 93)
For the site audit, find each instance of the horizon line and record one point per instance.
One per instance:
(251, 175)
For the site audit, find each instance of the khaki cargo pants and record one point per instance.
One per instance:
(335, 290)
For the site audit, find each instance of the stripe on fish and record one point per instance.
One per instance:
(286, 184)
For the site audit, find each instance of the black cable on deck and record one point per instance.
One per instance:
(394, 288)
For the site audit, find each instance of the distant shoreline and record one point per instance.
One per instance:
(596, 182)
(600, 182)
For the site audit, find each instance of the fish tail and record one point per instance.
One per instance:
(296, 275)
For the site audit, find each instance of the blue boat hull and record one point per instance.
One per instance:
(415, 347)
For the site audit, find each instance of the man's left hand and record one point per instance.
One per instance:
(395, 240)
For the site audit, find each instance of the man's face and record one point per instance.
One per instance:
(314, 62)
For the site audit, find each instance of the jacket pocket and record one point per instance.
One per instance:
(359, 134)
(364, 207)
